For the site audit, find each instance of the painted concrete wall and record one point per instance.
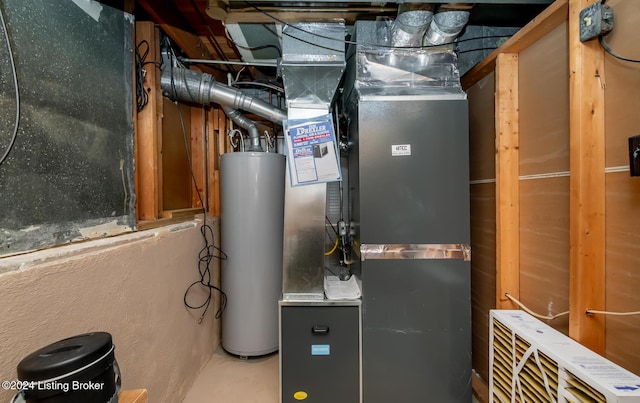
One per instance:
(131, 286)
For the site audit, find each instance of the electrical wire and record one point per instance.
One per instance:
(15, 83)
(331, 224)
(610, 51)
(613, 53)
(529, 311)
(258, 84)
(593, 312)
(209, 252)
(142, 98)
(253, 48)
(475, 50)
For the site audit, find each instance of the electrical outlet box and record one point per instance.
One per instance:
(595, 20)
(634, 155)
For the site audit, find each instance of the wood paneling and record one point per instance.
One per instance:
(622, 80)
(544, 150)
(548, 20)
(544, 247)
(544, 105)
(483, 273)
(622, 105)
(482, 143)
(623, 275)
(176, 174)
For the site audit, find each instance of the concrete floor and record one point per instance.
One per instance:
(229, 379)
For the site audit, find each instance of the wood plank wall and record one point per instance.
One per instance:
(622, 231)
(544, 176)
(577, 107)
(483, 217)
(165, 186)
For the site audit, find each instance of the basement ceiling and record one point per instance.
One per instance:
(247, 31)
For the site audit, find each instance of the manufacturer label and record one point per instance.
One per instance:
(320, 349)
(398, 150)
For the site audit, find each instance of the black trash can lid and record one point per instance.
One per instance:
(64, 356)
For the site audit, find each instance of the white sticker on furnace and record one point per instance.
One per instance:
(400, 150)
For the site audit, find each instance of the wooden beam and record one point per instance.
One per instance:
(480, 388)
(147, 130)
(213, 164)
(541, 25)
(187, 212)
(310, 14)
(587, 185)
(170, 20)
(507, 177)
(223, 139)
(197, 156)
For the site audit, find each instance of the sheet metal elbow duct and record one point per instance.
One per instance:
(201, 88)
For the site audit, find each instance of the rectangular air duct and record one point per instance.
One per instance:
(312, 65)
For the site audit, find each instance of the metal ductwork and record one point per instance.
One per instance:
(417, 25)
(446, 26)
(201, 88)
(313, 61)
(247, 124)
(411, 24)
(312, 64)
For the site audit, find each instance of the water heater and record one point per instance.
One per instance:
(252, 220)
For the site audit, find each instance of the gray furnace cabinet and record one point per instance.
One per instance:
(320, 352)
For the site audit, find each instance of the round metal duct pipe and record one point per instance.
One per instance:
(411, 24)
(201, 88)
(446, 26)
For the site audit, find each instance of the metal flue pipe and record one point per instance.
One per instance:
(201, 88)
(245, 123)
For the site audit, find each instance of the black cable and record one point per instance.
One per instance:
(142, 98)
(253, 48)
(15, 83)
(610, 51)
(205, 257)
(331, 224)
(208, 252)
(475, 50)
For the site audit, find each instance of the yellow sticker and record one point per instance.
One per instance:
(300, 395)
